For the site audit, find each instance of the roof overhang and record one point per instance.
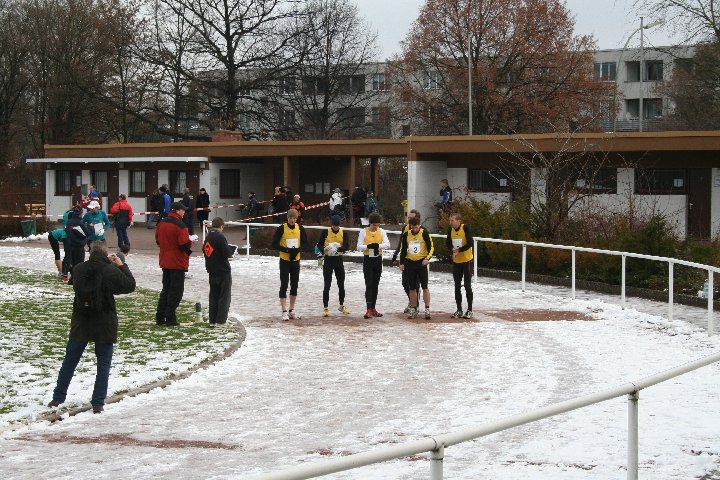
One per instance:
(118, 159)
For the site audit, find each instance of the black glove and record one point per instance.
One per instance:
(375, 247)
(293, 252)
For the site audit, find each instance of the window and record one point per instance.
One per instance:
(137, 183)
(654, 70)
(488, 180)
(380, 115)
(378, 82)
(652, 108)
(352, 84)
(632, 70)
(660, 181)
(286, 85)
(100, 180)
(229, 183)
(286, 118)
(686, 65)
(314, 86)
(352, 117)
(63, 182)
(178, 182)
(431, 81)
(605, 71)
(603, 180)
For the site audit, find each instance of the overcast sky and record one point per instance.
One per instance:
(609, 21)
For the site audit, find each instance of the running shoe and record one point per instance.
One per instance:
(344, 310)
(413, 312)
(468, 314)
(285, 316)
(457, 314)
(326, 312)
(375, 313)
(407, 309)
(368, 314)
(427, 313)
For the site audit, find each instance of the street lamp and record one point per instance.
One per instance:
(642, 59)
(642, 66)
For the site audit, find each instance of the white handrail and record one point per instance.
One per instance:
(437, 444)
(523, 272)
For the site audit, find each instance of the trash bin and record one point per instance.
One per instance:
(29, 227)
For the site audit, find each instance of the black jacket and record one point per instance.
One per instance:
(216, 251)
(76, 237)
(103, 325)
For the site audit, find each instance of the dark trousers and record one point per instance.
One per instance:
(372, 270)
(289, 271)
(122, 236)
(76, 255)
(73, 352)
(406, 284)
(417, 274)
(173, 287)
(462, 272)
(333, 265)
(220, 287)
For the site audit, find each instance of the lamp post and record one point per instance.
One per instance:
(470, 109)
(642, 61)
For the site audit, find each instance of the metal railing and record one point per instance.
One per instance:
(573, 251)
(436, 445)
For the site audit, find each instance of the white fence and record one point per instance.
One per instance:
(436, 445)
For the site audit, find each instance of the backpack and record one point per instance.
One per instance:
(86, 283)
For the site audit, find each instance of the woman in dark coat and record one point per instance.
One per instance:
(202, 201)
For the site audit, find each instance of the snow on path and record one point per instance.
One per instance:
(301, 391)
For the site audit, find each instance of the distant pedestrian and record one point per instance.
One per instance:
(332, 244)
(77, 234)
(251, 208)
(371, 205)
(289, 239)
(122, 213)
(416, 249)
(217, 252)
(189, 217)
(279, 204)
(336, 202)
(167, 200)
(372, 240)
(202, 201)
(157, 204)
(94, 319)
(173, 238)
(298, 205)
(93, 194)
(460, 242)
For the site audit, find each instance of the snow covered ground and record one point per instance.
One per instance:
(303, 391)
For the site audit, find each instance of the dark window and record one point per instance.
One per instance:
(378, 82)
(287, 85)
(605, 71)
(137, 183)
(660, 181)
(654, 70)
(488, 180)
(229, 183)
(652, 108)
(601, 181)
(63, 182)
(178, 182)
(100, 180)
(352, 117)
(380, 115)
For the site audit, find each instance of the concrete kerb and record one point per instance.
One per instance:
(229, 350)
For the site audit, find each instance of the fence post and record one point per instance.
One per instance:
(524, 262)
(632, 461)
(711, 319)
(622, 284)
(671, 292)
(247, 240)
(475, 255)
(436, 463)
(573, 274)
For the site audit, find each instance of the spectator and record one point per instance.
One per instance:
(288, 196)
(93, 194)
(203, 201)
(217, 252)
(279, 204)
(357, 199)
(251, 207)
(336, 202)
(371, 205)
(298, 205)
(445, 196)
(157, 204)
(94, 319)
(167, 200)
(173, 239)
(97, 221)
(77, 233)
(123, 215)
(189, 217)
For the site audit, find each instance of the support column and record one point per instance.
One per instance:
(353, 182)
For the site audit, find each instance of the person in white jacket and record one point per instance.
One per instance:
(336, 202)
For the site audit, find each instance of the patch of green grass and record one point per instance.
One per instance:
(34, 328)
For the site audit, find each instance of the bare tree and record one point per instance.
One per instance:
(328, 93)
(237, 47)
(529, 71)
(695, 20)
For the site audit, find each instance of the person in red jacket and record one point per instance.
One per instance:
(298, 205)
(122, 213)
(172, 236)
